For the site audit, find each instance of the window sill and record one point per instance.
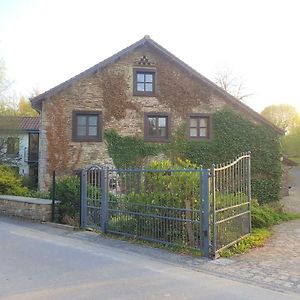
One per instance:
(97, 140)
(144, 94)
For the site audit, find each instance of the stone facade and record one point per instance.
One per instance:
(110, 90)
(27, 208)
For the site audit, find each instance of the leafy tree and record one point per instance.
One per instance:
(25, 109)
(11, 105)
(284, 116)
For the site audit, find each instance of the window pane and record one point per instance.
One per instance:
(149, 87)
(93, 120)
(140, 77)
(203, 132)
(12, 146)
(162, 121)
(140, 87)
(151, 126)
(149, 77)
(81, 130)
(81, 120)
(193, 122)
(163, 132)
(203, 122)
(193, 132)
(92, 131)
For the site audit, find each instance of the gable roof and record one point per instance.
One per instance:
(19, 123)
(36, 102)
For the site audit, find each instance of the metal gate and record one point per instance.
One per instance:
(202, 209)
(231, 202)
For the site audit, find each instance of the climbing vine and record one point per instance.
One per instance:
(232, 135)
(128, 151)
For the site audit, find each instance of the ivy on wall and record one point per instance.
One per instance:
(128, 151)
(232, 135)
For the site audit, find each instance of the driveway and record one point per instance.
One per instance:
(42, 262)
(292, 202)
(277, 264)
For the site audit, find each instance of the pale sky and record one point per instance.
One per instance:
(44, 43)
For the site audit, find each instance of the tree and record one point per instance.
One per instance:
(4, 83)
(10, 105)
(231, 84)
(284, 116)
(25, 109)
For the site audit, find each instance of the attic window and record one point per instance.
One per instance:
(143, 82)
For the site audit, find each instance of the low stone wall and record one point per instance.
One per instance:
(27, 208)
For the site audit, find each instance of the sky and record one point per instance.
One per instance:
(44, 43)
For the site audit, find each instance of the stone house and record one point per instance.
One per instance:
(143, 90)
(19, 146)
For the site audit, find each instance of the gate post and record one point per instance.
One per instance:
(83, 198)
(213, 196)
(104, 200)
(205, 231)
(249, 189)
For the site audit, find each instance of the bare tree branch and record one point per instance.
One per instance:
(231, 84)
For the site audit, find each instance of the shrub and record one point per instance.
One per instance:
(11, 183)
(265, 216)
(68, 195)
(38, 194)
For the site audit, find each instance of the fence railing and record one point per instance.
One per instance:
(231, 202)
(202, 209)
(165, 206)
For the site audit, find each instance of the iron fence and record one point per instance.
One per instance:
(165, 206)
(202, 209)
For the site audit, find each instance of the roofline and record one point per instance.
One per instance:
(112, 59)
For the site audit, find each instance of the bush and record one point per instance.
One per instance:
(38, 194)
(68, 195)
(11, 183)
(265, 216)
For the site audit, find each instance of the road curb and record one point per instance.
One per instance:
(61, 226)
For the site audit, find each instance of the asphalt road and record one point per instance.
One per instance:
(41, 262)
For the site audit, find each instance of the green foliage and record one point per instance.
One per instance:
(11, 183)
(128, 151)
(232, 135)
(291, 144)
(265, 216)
(257, 239)
(38, 194)
(67, 192)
